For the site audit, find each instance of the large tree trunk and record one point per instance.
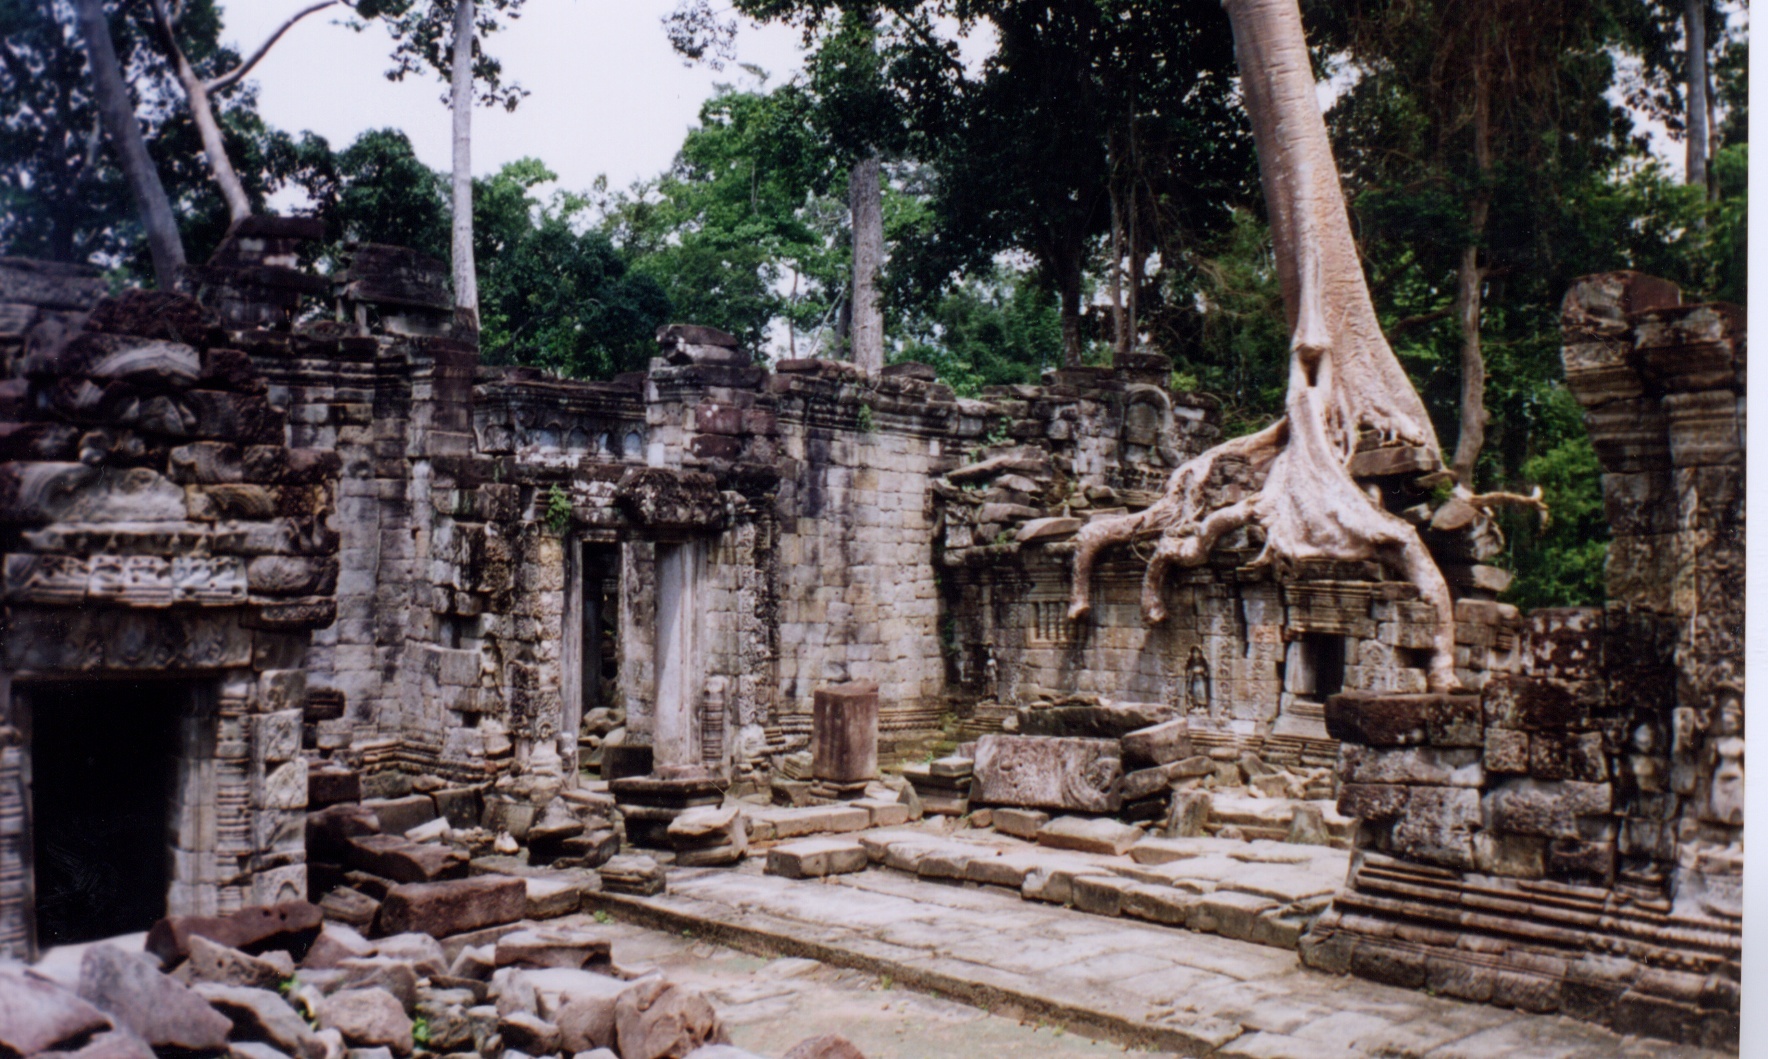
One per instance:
(1694, 25)
(118, 115)
(1066, 265)
(1469, 282)
(866, 201)
(208, 126)
(466, 279)
(1344, 381)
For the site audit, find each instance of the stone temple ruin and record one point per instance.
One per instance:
(372, 615)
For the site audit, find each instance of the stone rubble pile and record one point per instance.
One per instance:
(472, 977)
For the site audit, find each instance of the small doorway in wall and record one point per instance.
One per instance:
(103, 770)
(1315, 669)
(601, 625)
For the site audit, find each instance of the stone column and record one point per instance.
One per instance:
(844, 737)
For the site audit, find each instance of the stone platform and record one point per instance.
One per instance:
(1142, 985)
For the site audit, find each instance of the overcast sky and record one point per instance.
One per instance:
(608, 94)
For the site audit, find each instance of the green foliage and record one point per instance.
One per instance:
(558, 509)
(554, 292)
(1233, 308)
(377, 191)
(998, 329)
(420, 1031)
(1564, 565)
(62, 195)
(603, 916)
(866, 423)
(738, 233)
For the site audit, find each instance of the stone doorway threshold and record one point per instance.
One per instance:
(1140, 985)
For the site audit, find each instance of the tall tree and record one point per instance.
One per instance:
(1694, 23)
(117, 113)
(1468, 103)
(1344, 381)
(447, 37)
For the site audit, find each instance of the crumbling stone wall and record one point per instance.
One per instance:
(156, 522)
(1570, 839)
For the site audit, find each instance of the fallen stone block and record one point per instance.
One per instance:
(260, 1015)
(398, 858)
(398, 977)
(826, 1046)
(290, 926)
(1144, 783)
(1089, 836)
(814, 858)
(844, 732)
(1229, 913)
(633, 873)
(367, 1018)
(36, 1014)
(1158, 904)
(1166, 850)
(115, 1044)
(420, 950)
(883, 813)
(1158, 744)
(1049, 773)
(153, 1006)
(1102, 895)
(454, 906)
(330, 830)
(399, 815)
(1020, 823)
(1189, 815)
(1111, 721)
(566, 947)
(951, 860)
(336, 942)
(210, 962)
(1009, 869)
(551, 898)
(529, 1034)
(350, 907)
(656, 1019)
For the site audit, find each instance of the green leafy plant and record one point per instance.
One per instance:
(602, 916)
(1000, 435)
(558, 509)
(866, 423)
(420, 1031)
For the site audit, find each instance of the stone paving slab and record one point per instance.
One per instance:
(1142, 985)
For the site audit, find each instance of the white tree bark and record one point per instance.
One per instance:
(117, 115)
(1343, 379)
(1694, 25)
(208, 126)
(866, 200)
(466, 280)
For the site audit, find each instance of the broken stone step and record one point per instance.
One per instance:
(454, 906)
(1158, 744)
(1020, 823)
(1089, 836)
(815, 858)
(551, 898)
(634, 874)
(555, 947)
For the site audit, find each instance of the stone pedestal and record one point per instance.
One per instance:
(649, 804)
(844, 738)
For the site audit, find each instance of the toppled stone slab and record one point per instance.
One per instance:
(290, 926)
(400, 859)
(453, 906)
(772, 825)
(1020, 823)
(883, 812)
(260, 1015)
(657, 1019)
(551, 898)
(1112, 720)
(1046, 772)
(710, 836)
(37, 1014)
(1089, 836)
(367, 1018)
(1144, 783)
(816, 857)
(1158, 744)
(633, 873)
(553, 947)
(210, 962)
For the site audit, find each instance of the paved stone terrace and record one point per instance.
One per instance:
(1148, 986)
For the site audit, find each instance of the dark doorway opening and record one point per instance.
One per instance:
(103, 763)
(1325, 658)
(601, 625)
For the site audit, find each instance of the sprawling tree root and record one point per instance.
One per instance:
(1344, 381)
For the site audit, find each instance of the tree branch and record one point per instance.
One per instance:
(232, 77)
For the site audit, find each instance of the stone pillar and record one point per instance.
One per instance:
(844, 738)
(676, 737)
